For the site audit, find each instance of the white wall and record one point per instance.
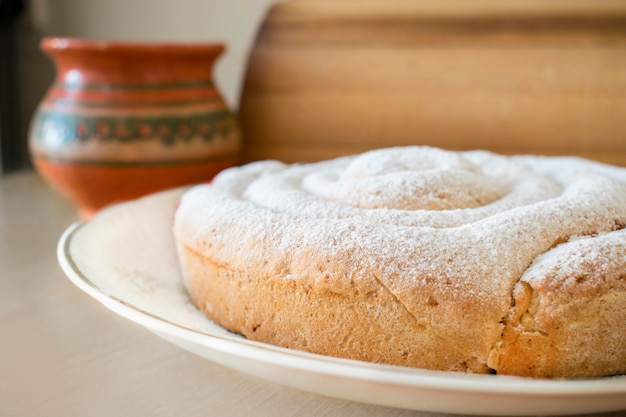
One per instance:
(234, 22)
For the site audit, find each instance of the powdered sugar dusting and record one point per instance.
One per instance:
(428, 224)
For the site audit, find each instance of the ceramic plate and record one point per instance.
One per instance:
(125, 258)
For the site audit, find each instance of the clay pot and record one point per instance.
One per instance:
(122, 120)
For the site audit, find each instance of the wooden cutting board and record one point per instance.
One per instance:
(328, 78)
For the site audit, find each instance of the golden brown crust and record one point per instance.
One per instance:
(569, 313)
(287, 313)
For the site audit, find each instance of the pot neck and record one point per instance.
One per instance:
(90, 61)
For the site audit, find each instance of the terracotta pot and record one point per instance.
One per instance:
(122, 120)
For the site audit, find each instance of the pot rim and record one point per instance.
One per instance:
(109, 45)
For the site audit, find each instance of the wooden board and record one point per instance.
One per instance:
(328, 78)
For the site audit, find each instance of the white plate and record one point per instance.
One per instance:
(125, 258)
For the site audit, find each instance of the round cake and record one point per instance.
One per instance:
(420, 257)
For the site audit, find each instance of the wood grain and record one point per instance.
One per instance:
(332, 78)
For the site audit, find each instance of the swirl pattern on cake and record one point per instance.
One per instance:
(418, 256)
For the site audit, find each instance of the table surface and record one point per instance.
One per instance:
(63, 354)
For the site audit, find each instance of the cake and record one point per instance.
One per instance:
(420, 257)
